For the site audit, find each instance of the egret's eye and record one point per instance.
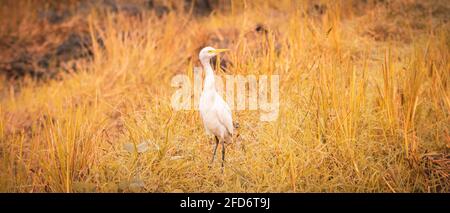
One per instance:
(210, 51)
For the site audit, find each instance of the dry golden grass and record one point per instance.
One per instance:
(356, 114)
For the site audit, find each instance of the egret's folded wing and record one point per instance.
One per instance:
(224, 115)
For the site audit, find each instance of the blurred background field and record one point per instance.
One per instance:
(86, 86)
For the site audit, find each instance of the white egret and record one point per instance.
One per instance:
(214, 111)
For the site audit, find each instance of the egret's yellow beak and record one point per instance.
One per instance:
(220, 50)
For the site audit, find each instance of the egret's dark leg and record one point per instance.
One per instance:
(215, 149)
(223, 153)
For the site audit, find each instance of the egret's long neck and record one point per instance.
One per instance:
(209, 77)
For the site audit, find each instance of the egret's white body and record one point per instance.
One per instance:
(214, 111)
